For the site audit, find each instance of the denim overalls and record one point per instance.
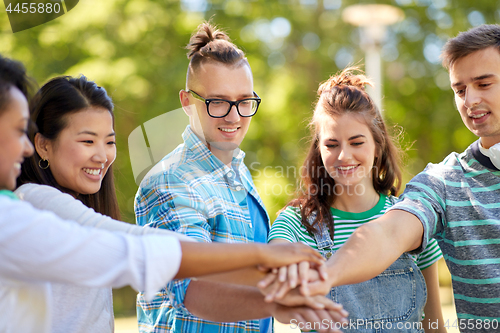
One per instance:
(391, 302)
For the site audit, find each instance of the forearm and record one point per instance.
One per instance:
(373, 247)
(226, 303)
(229, 303)
(433, 321)
(208, 258)
(246, 276)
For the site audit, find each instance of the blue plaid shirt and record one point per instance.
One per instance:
(194, 193)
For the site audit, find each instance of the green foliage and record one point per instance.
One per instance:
(134, 48)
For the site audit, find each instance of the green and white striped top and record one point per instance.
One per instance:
(288, 226)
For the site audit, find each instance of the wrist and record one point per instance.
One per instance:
(259, 250)
(271, 308)
(332, 275)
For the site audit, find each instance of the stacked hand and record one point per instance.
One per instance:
(298, 290)
(285, 254)
(278, 282)
(325, 319)
(310, 278)
(309, 312)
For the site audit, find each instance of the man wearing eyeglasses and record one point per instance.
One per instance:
(223, 116)
(205, 191)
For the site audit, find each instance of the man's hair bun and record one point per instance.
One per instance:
(211, 43)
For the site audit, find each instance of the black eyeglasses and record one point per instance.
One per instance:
(219, 108)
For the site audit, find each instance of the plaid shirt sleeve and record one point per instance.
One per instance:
(171, 203)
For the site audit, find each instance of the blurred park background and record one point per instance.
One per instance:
(135, 49)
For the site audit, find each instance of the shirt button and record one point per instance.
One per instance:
(229, 174)
(238, 188)
(328, 255)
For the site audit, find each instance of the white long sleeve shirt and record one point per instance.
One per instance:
(78, 309)
(37, 247)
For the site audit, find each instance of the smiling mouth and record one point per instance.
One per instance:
(477, 116)
(347, 168)
(93, 172)
(228, 130)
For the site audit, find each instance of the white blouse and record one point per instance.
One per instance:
(38, 247)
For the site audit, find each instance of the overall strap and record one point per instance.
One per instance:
(321, 233)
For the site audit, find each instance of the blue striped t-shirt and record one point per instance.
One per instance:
(458, 203)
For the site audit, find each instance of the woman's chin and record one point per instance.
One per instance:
(87, 190)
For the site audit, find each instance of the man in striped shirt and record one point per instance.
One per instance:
(456, 201)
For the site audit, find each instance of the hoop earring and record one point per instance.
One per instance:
(43, 167)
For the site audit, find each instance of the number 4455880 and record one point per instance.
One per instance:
(472, 324)
(34, 7)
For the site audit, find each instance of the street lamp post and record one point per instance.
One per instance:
(373, 20)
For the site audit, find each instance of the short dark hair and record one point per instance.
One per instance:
(13, 74)
(49, 109)
(475, 39)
